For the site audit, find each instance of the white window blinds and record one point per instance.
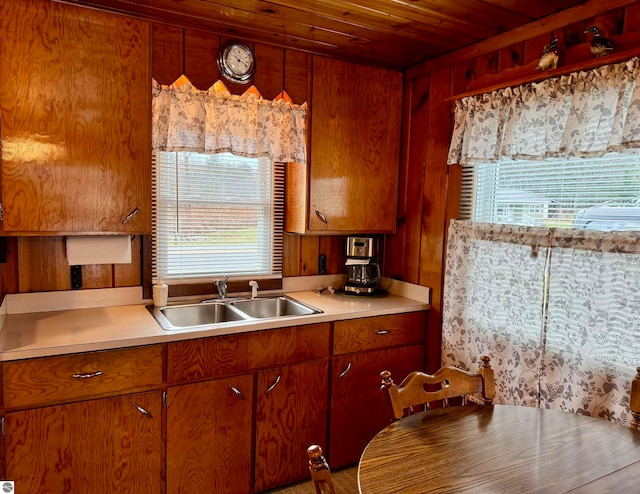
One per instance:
(598, 193)
(216, 214)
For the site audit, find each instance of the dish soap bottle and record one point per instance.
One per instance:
(160, 293)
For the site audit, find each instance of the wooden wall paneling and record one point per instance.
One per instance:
(534, 48)
(610, 23)
(309, 251)
(97, 276)
(9, 270)
(486, 63)
(130, 274)
(298, 76)
(572, 35)
(333, 246)
(415, 179)
(510, 56)
(168, 53)
(269, 77)
(434, 207)
(462, 73)
(200, 53)
(291, 255)
(632, 18)
(42, 264)
(393, 257)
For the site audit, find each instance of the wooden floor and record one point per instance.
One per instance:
(345, 481)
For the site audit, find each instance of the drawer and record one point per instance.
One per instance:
(226, 355)
(65, 378)
(370, 333)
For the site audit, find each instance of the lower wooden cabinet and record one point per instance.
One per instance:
(291, 414)
(362, 348)
(358, 410)
(209, 436)
(103, 445)
(238, 414)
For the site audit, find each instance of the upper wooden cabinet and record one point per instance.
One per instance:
(351, 183)
(75, 124)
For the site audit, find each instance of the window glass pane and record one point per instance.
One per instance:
(598, 194)
(216, 214)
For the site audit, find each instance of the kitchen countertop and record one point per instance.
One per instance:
(39, 334)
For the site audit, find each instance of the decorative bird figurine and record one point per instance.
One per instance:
(600, 45)
(549, 58)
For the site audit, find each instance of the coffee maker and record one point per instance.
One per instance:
(363, 272)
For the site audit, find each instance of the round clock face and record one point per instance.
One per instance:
(237, 63)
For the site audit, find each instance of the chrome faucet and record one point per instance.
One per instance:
(221, 285)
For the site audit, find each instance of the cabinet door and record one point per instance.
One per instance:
(358, 410)
(291, 415)
(75, 126)
(209, 430)
(106, 445)
(355, 143)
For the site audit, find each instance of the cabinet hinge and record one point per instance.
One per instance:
(2, 429)
(164, 399)
(1, 212)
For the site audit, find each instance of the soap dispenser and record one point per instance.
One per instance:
(160, 293)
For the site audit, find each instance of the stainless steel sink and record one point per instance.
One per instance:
(281, 306)
(211, 314)
(194, 315)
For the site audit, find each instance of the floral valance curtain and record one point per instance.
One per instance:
(583, 114)
(556, 310)
(215, 121)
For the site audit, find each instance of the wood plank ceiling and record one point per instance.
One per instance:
(389, 33)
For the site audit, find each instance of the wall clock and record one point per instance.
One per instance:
(236, 62)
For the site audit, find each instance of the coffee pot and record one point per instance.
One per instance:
(363, 272)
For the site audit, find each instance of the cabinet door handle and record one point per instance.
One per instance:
(236, 391)
(344, 372)
(321, 216)
(88, 375)
(130, 215)
(383, 331)
(142, 410)
(272, 387)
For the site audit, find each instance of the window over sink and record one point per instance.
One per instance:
(216, 214)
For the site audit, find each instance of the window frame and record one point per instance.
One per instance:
(204, 285)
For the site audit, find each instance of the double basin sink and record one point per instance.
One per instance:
(218, 312)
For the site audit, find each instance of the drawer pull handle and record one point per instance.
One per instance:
(236, 392)
(321, 216)
(87, 376)
(142, 410)
(272, 387)
(344, 372)
(383, 331)
(128, 217)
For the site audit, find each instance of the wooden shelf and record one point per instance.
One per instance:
(575, 59)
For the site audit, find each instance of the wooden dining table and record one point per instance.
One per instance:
(501, 449)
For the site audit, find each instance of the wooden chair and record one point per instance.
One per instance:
(320, 472)
(634, 401)
(420, 389)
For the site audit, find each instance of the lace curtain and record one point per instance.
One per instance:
(215, 121)
(583, 114)
(558, 312)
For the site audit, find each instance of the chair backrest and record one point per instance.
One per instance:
(448, 382)
(319, 470)
(634, 402)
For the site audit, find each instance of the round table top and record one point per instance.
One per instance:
(496, 449)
